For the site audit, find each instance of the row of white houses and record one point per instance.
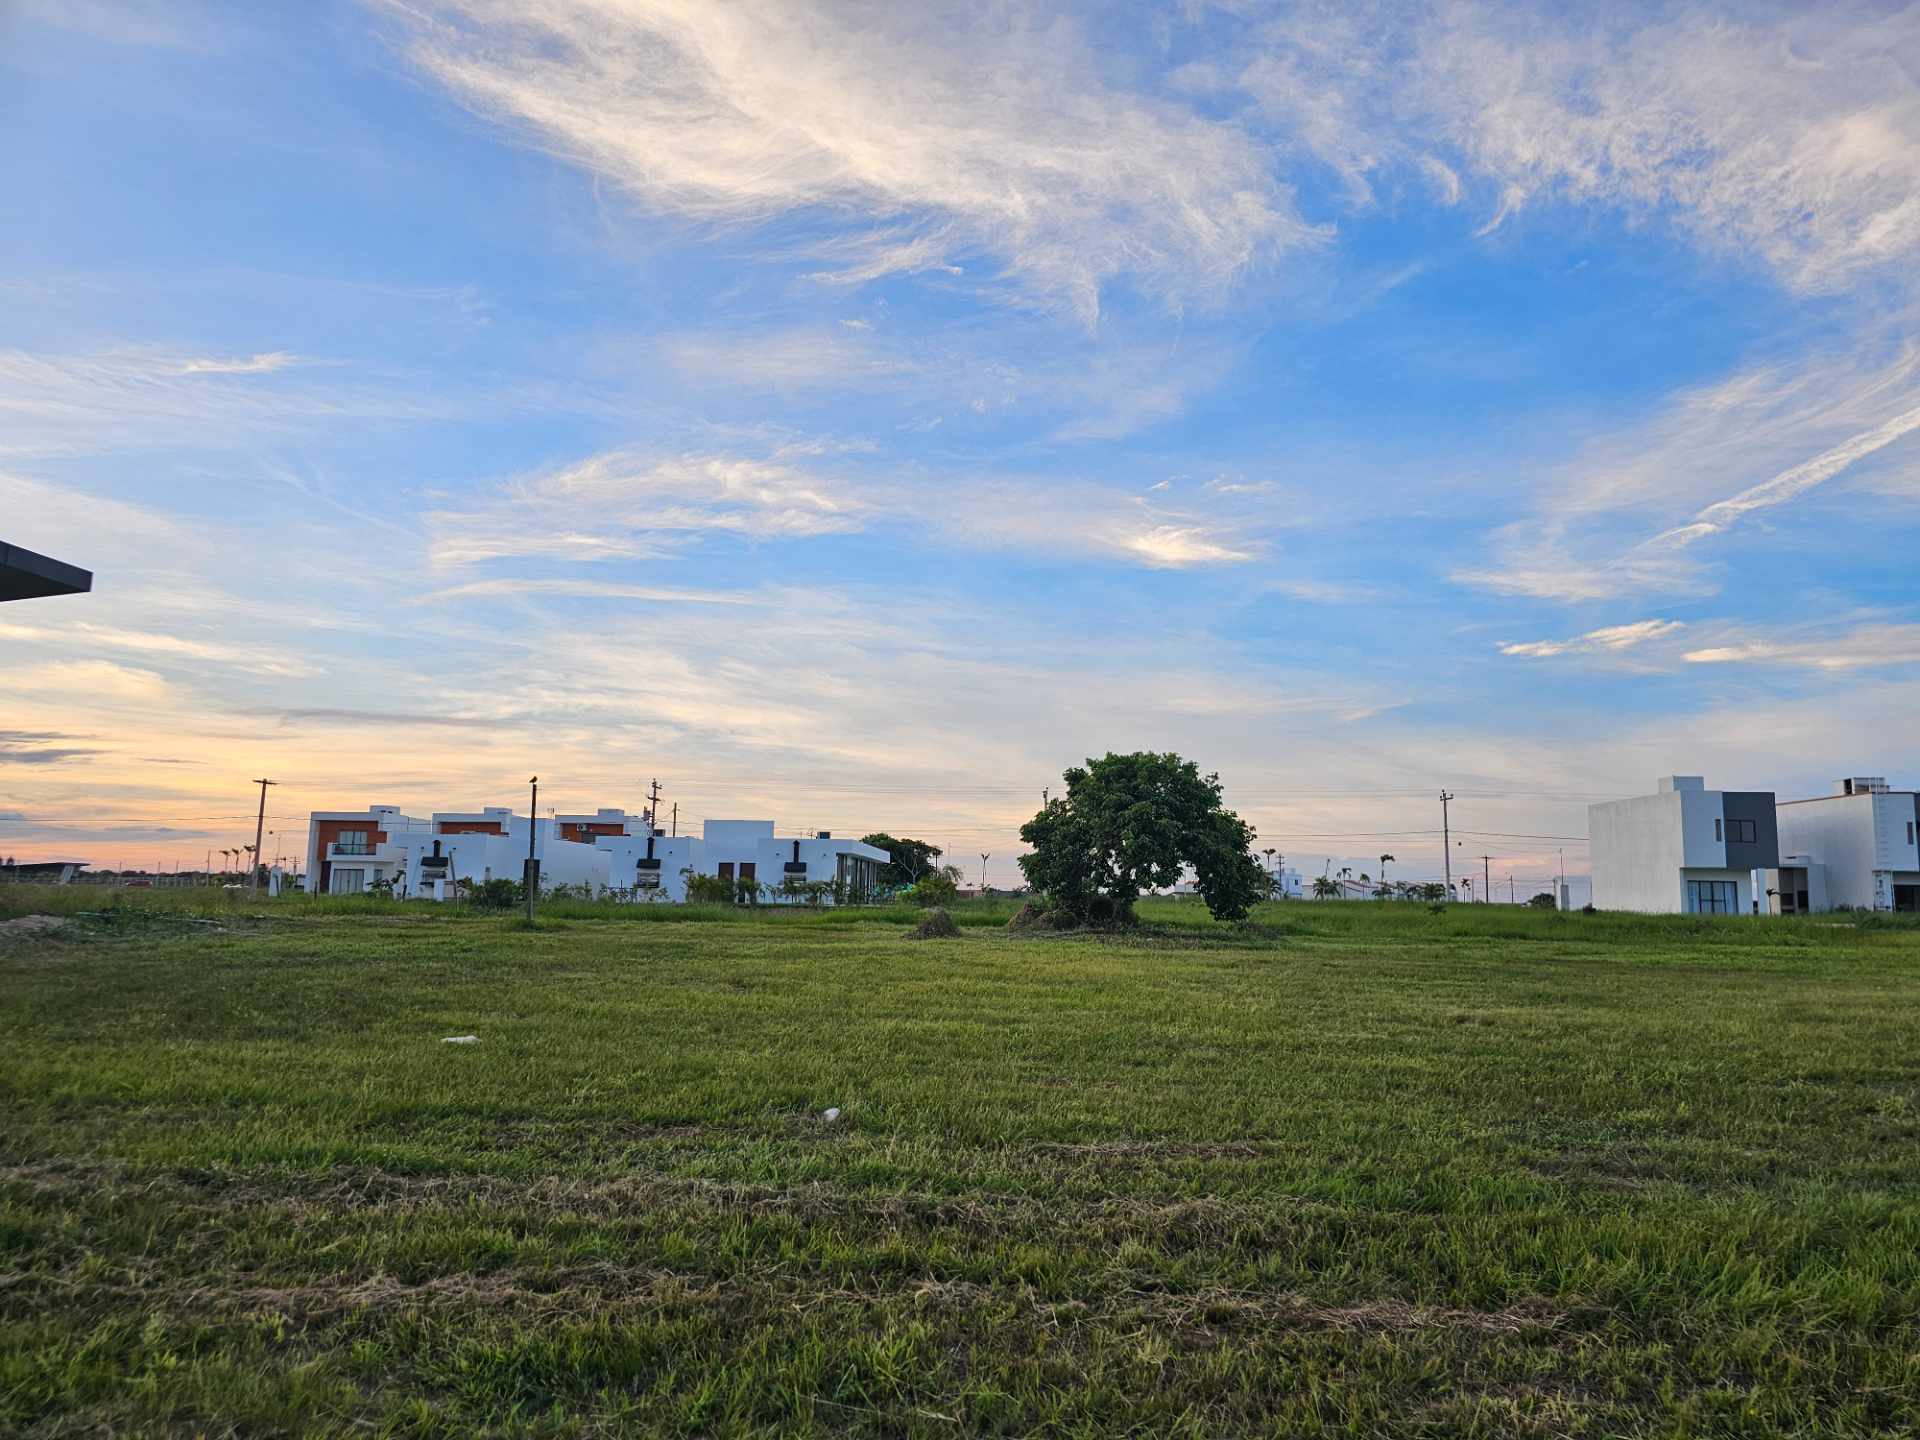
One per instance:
(1690, 850)
(380, 848)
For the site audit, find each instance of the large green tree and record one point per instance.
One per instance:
(911, 859)
(1129, 823)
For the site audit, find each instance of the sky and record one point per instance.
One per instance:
(854, 414)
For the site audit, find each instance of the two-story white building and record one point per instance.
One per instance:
(1683, 850)
(1859, 846)
(350, 852)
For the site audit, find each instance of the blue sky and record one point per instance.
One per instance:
(856, 413)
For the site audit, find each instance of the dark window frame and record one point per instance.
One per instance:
(1714, 897)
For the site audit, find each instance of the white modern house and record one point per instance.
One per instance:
(1859, 846)
(352, 851)
(1683, 850)
(749, 850)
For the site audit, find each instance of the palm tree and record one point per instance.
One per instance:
(1325, 888)
(1385, 860)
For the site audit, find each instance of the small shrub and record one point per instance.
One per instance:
(936, 924)
(496, 894)
(708, 889)
(936, 888)
(1029, 916)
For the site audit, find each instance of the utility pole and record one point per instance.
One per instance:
(653, 808)
(1486, 884)
(1512, 899)
(984, 857)
(259, 834)
(676, 817)
(1446, 840)
(530, 877)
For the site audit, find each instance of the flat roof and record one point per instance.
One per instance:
(28, 575)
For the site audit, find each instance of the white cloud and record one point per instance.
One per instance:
(1792, 483)
(82, 635)
(1623, 517)
(1788, 135)
(146, 396)
(241, 365)
(89, 682)
(1101, 387)
(950, 131)
(1609, 639)
(1177, 547)
(582, 589)
(1864, 647)
(627, 504)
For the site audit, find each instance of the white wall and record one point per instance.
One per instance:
(1838, 833)
(675, 854)
(821, 857)
(1638, 847)
(1861, 840)
(733, 842)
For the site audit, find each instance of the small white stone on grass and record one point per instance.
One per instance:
(830, 1115)
(461, 1040)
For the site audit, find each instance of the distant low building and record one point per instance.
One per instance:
(1684, 850)
(353, 851)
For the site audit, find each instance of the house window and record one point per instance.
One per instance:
(1744, 832)
(349, 882)
(352, 842)
(1712, 897)
(748, 869)
(1909, 832)
(726, 870)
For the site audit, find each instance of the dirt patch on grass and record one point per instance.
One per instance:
(28, 927)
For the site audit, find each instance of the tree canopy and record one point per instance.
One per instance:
(911, 859)
(1129, 823)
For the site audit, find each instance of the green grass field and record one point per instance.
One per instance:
(1354, 1169)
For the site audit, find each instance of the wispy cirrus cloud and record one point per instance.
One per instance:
(1610, 639)
(632, 504)
(144, 396)
(1087, 389)
(1626, 515)
(1788, 135)
(580, 589)
(1862, 647)
(264, 364)
(952, 134)
(1178, 547)
(83, 635)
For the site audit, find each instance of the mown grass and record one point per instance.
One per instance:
(1349, 1169)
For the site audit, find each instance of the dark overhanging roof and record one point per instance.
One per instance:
(25, 575)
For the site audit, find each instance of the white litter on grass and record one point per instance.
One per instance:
(461, 1040)
(830, 1115)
